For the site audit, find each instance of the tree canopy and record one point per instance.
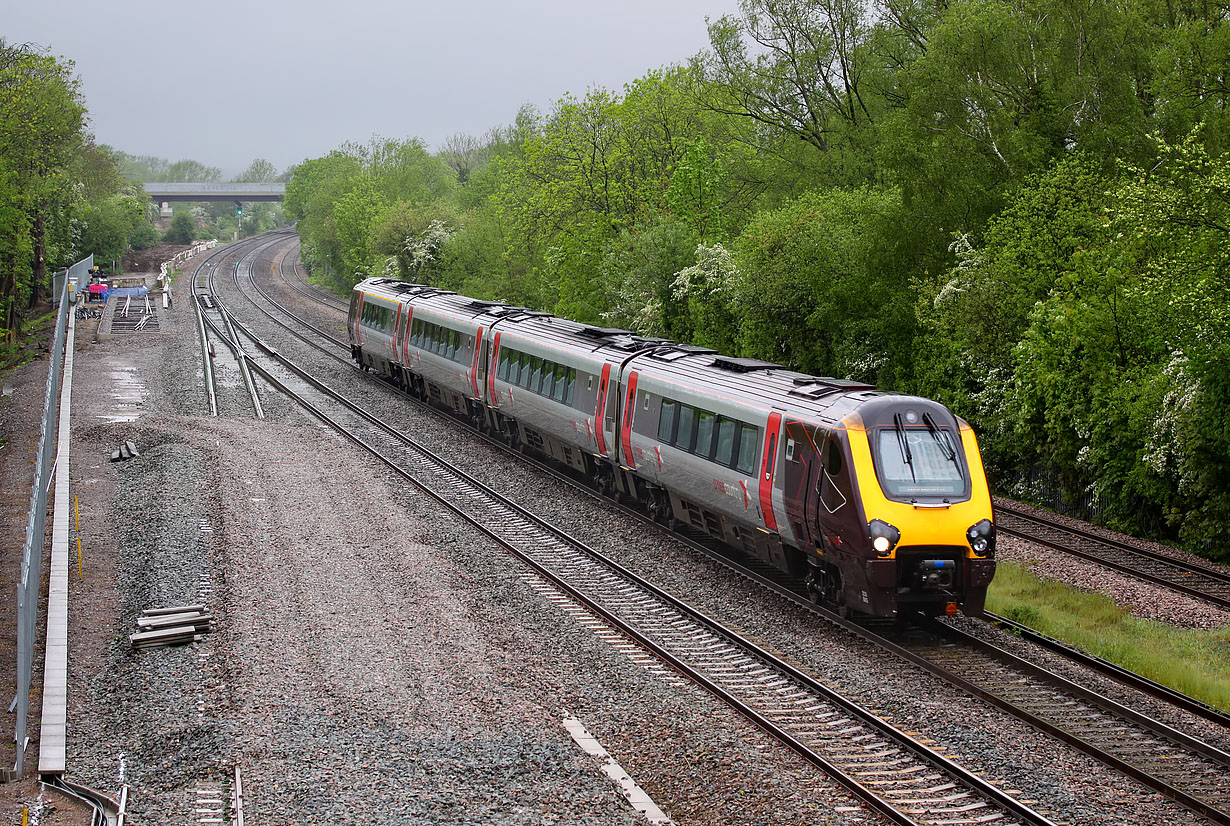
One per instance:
(1013, 207)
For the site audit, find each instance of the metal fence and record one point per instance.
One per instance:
(32, 556)
(78, 275)
(1045, 487)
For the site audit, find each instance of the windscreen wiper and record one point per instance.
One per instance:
(904, 444)
(949, 452)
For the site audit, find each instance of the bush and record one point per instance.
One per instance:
(181, 230)
(144, 236)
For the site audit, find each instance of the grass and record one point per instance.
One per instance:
(1195, 662)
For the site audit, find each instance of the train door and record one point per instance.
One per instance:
(352, 323)
(768, 469)
(405, 337)
(800, 480)
(608, 405)
(837, 514)
(602, 435)
(477, 365)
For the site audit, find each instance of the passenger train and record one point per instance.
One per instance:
(877, 501)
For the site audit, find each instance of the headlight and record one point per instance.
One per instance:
(982, 537)
(884, 537)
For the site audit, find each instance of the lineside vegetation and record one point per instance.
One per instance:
(1020, 209)
(1192, 661)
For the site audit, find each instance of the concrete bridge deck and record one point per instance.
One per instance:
(167, 192)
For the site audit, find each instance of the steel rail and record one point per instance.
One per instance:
(1193, 580)
(986, 790)
(1117, 672)
(246, 248)
(1193, 745)
(309, 290)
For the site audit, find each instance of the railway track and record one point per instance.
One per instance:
(212, 319)
(1113, 671)
(892, 772)
(1177, 765)
(1194, 580)
(297, 282)
(1181, 767)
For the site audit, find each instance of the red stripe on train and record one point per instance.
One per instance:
(766, 471)
(629, 411)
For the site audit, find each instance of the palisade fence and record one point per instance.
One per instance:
(1043, 486)
(78, 275)
(30, 584)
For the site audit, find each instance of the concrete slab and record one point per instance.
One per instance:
(53, 734)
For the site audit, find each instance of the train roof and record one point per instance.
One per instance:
(764, 383)
(701, 370)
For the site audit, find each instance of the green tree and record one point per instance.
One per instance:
(109, 225)
(799, 67)
(638, 271)
(259, 171)
(182, 229)
(822, 285)
(41, 120)
(1001, 90)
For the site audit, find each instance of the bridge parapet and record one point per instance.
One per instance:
(242, 192)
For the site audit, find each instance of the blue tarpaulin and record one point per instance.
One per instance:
(120, 292)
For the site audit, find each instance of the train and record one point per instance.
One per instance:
(877, 502)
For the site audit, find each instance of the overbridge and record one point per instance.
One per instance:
(242, 193)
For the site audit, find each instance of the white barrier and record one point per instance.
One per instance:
(185, 255)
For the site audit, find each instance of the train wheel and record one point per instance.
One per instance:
(603, 482)
(659, 507)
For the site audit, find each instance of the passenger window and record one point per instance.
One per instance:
(749, 438)
(833, 462)
(535, 377)
(725, 442)
(548, 379)
(685, 435)
(572, 383)
(666, 422)
(704, 433)
(560, 391)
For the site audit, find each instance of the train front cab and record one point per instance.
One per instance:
(920, 535)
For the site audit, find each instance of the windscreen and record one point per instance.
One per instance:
(918, 462)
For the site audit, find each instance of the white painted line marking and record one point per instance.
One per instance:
(636, 796)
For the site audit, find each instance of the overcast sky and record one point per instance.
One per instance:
(226, 82)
